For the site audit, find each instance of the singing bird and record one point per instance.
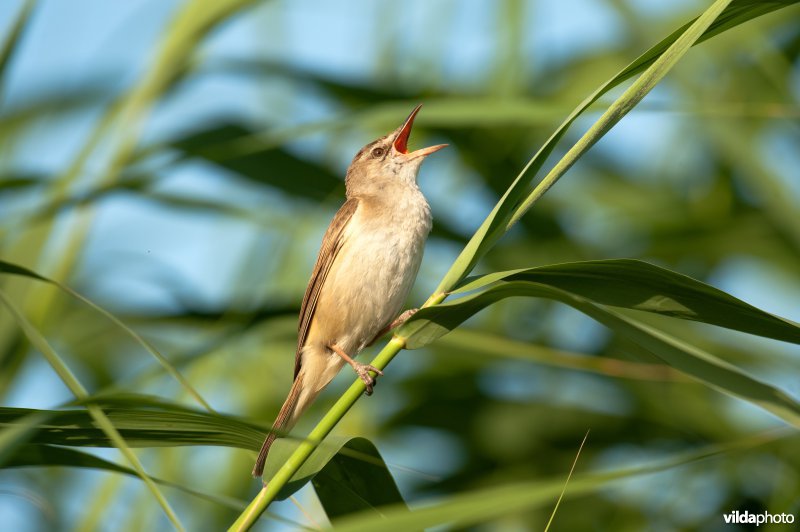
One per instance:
(369, 258)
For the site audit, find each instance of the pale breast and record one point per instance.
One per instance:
(373, 272)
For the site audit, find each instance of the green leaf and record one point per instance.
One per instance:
(348, 473)
(15, 269)
(50, 456)
(639, 285)
(517, 200)
(53, 456)
(433, 322)
(356, 481)
(470, 341)
(356, 94)
(142, 421)
(9, 45)
(18, 434)
(98, 416)
(17, 181)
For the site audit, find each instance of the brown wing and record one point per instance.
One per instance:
(331, 243)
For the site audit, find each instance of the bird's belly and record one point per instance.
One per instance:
(367, 286)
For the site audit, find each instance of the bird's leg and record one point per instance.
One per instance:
(398, 321)
(362, 370)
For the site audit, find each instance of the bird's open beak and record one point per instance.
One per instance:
(401, 141)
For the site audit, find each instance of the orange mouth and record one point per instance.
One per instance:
(401, 142)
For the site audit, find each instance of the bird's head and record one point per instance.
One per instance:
(387, 160)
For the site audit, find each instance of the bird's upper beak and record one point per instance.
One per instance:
(400, 143)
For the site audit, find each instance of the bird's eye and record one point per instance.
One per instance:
(377, 152)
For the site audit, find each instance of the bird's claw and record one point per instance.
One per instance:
(369, 381)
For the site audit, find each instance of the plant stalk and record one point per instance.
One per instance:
(271, 488)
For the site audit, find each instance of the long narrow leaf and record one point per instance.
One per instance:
(472, 341)
(19, 433)
(510, 207)
(623, 105)
(15, 269)
(50, 455)
(77, 389)
(9, 45)
(638, 285)
(428, 324)
(143, 422)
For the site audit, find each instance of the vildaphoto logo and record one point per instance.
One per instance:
(740, 518)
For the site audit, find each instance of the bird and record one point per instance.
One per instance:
(367, 263)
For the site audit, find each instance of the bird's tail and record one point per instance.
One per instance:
(300, 397)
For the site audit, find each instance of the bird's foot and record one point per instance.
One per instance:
(362, 370)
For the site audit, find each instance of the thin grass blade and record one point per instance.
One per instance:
(14, 269)
(77, 389)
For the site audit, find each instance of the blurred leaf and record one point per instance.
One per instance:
(514, 202)
(378, 102)
(179, 42)
(50, 455)
(348, 473)
(15, 436)
(483, 505)
(138, 183)
(342, 90)
(780, 205)
(191, 24)
(14, 269)
(143, 422)
(275, 167)
(474, 341)
(17, 181)
(49, 103)
(98, 416)
(433, 322)
(11, 41)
